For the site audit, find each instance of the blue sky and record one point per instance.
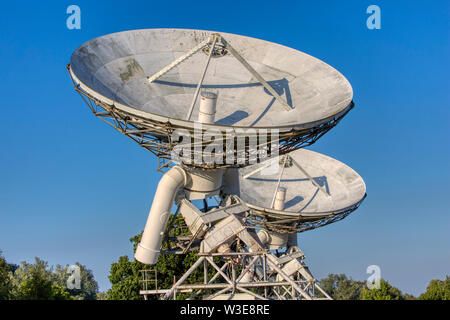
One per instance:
(73, 189)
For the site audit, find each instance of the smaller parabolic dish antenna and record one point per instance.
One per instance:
(298, 191)
(149, 83)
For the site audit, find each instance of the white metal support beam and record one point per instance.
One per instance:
(288, 279)
(176, 62)
(184, 277)
(309, 177)
(197, 90)
(268, 164)
(255, 74)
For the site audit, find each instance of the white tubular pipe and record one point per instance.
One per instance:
(148, 249)
(280, 197)
(207, 109)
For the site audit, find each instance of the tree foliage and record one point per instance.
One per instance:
(339, 287)
(38, 281)
(124, 278)
(35, 282)
(384, 292)
(88, 286)
(125, 275)
(437, 290)
(101, 296)
(5, 279)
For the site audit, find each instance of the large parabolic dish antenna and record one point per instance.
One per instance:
(143, 82)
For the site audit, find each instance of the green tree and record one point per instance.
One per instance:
(339, 287)
(38, 281)
(125, 275)
(385, 292)
(124, 278)
(35, 282)
(407, 296)
(437, 290)
(6, 285)
(88, 286)
(101, 296)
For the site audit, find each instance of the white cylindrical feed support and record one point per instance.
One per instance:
(207, 109)
(280, 197)
(148, 249)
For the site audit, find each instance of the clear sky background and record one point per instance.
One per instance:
(73, 189)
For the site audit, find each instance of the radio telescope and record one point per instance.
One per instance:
(228, 117)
